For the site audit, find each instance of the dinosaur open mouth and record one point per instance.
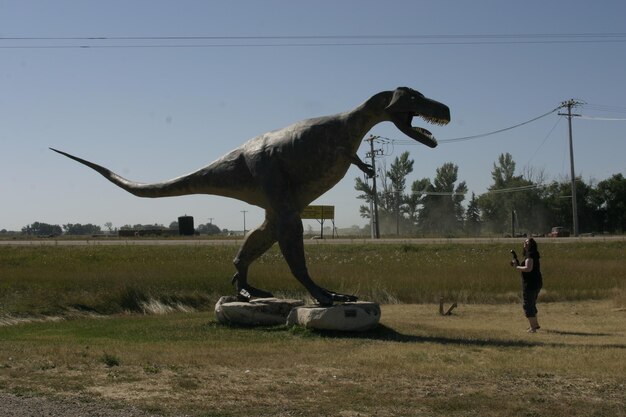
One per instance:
(404, 124)
(424, 132)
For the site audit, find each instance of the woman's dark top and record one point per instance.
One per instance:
(533, 280)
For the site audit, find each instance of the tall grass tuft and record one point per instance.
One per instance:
(110, 360)
(132, 299)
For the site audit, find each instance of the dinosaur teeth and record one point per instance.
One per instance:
(435, 120)
(424, 132)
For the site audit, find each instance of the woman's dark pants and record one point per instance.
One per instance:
(530, 302)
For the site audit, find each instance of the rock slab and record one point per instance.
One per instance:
(357, 317)
(257, 312)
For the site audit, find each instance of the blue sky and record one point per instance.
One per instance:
(153, 113)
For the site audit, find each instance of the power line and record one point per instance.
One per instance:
(309, 40)
(515, 189)
(496, 191)
(600, 118)
(293, 37)
(544, 140)
(450, 193)
(291, 45)
(461, 139)
(606, 108)
(482, 135)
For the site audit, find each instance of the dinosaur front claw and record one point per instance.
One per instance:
(369, 171)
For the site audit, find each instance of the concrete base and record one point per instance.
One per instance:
(357, 317)
(257, 312)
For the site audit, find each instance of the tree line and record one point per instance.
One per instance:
(520, 202)
(77, 229)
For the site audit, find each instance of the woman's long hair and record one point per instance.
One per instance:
(532, 251)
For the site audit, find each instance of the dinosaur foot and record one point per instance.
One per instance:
(247, 292)
(328, 297)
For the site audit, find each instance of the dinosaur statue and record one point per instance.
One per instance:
(283, 171)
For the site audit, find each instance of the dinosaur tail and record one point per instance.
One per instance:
(179, 186)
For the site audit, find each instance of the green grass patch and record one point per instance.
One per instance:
(112, 279)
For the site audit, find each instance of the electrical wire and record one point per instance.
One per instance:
(600, 118)
(515, 189)
(94, 42)
(462, 139)
(544, 141)
(606, 108)
(450, 193)
(296, 45)
(498, 191)
(444, 36)
(482, 135)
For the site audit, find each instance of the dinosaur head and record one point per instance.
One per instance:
(407, 103)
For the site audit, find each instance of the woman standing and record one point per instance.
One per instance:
(532, 281)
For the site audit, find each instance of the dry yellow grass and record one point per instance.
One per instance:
(479, 361)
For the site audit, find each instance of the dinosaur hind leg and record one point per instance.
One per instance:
(256, 243)
(290, 233)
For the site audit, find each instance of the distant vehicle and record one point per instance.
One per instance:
(558, 232)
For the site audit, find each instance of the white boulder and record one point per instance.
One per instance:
(359, 316)
(257, 312)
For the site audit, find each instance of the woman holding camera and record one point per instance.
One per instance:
(532, 281)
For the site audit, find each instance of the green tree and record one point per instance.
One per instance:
(611, 196)
(442, 210)
(472, 217)
(367, 194)
(415, 200)
(208, 229)
(557, 199)
(81, 229)
(393, 208)
(511, 196)
(401, 167)
(42, 229)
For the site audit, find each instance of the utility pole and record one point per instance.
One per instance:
(244, 221)
(513, 215)
(397, 198)
(569, 104)
(374, 216)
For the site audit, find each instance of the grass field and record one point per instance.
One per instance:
(112, 279)
(479, 361)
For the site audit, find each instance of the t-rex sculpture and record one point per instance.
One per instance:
(283, 171)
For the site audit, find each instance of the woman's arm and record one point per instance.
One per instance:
(527, 267)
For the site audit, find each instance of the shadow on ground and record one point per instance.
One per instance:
(385, 333)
